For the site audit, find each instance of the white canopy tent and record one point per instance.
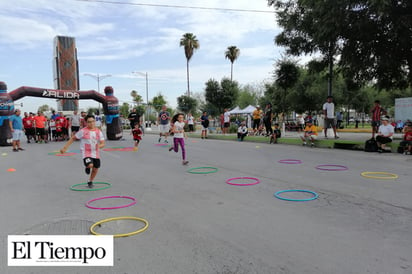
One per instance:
(236, 110)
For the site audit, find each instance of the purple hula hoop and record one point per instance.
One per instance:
(257, 181)
(290, 161)
(111, 197)
(338, 167)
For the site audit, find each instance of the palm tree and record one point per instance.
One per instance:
(190, 44)
(232, 53)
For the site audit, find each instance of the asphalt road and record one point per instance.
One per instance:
(200, 224)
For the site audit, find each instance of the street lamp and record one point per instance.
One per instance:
(98, 78)
(147, 89)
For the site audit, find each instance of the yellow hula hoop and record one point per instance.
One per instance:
(389, 176)
(121, 218)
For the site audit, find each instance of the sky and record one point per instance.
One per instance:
(119, 37)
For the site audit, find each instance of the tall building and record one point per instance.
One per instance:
(66, 70)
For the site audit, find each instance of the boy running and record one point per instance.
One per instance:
(137, 135)
(91, 141)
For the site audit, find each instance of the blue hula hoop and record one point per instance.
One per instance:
(315, 195)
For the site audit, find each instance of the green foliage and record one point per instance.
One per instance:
(190, 44)
(158, 101)
(138, 99)
(187, 104)
(232, 53)
(124, 109)
(223, 95)
(246, 97)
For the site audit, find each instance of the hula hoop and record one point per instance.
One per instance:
(337, 167)
(315, 195)
(121, 218)
(213, 170)
(290, 161)
(390, 175)
(111, 197)
(257, 181)
(108, 185)
(65, 154)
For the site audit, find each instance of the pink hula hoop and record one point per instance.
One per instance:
(111, 197)
(327, 167)
(228, 181)
(290, 161)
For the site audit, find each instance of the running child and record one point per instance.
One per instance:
(179, 136)
(91, 141)
(137, 135)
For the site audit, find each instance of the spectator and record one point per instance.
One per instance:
(257, 116)
(226, 121)
(40, 124)
(276, 135)
(75, 122)
(310, 133)
(241, 131)
(377, 111)
(407, 139)
(399, 126)
(384, 135)
(16, 127)
(204, 120)
(163, 120)
(28, 126)
(329, 112)
(191, 122)
(267, 119)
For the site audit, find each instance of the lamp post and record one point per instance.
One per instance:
(147, 87)
(98, 78)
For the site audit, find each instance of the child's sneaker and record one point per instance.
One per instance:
(304, 144)
(185, 162)
(90, 184)
(312, 145)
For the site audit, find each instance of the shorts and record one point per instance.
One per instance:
(88, 160)
(137, 140)
(376, 123)
(191, 128)
(164, 128)
(314, 137)
(40, 131)
(17, 134)
(330, 122)
(29, 131)
(383, 140)
(75, 129)
(226, 125)
(204, 128)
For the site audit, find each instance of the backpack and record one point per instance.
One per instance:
(371, 145)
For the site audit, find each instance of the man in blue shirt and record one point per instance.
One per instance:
(16, 127)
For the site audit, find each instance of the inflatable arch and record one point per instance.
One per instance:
(109, 102)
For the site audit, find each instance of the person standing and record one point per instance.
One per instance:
(134, 118)
(16, 127)
(257, 116)
(91, 141)
(377, 111)
(204, 120)
(163, 120)
(179, 136)
(191, 122)
(226, 121)
(28, 127)
(99, 120)
(329, 112)
(40, 124)
(75, 122)
(267, 119)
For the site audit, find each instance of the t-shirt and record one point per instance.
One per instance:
(179, 126)
(75, 120)
(330, 110)
(27, 122)
(62, 121)
(40, 121)
(133, 118)
(89, 142)
(256, 114)
(386, 130)
(226, 117)
(137, 134)
(205, 120)
(312, 130)
(164, 117)
(16, 122)
(98, 119)
(408, 136)
(242, 129)
(190, 120)
(377, 112)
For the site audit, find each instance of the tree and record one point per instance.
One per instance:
(246, 97)
(232, 53)
(138, 99)
(43, 108)
(190, 44)
(187, 104)
(287, 75)
(372, 38)
(124, 109)
(223, 95)
(158, 101)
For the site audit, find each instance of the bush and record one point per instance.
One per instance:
(233, 128)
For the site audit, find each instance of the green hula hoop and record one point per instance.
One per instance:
(192, 170)
(107, 185)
